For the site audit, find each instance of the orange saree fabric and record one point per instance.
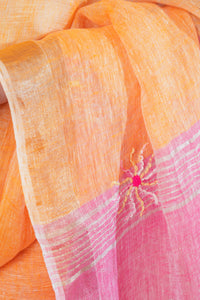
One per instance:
(87, 88)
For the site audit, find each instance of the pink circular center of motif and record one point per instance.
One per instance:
(136, 180)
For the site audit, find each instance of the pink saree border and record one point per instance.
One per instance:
(89, 253)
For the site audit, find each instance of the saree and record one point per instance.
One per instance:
(100, 149)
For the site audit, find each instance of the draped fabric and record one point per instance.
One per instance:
(100, 149)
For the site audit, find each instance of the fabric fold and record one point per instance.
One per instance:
(106, 122)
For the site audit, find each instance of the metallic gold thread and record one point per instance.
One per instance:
(140, 200)
(125, 199)
(149, 183)
(130, 179)
(120, 183)
(132, 162)
(146, 170)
